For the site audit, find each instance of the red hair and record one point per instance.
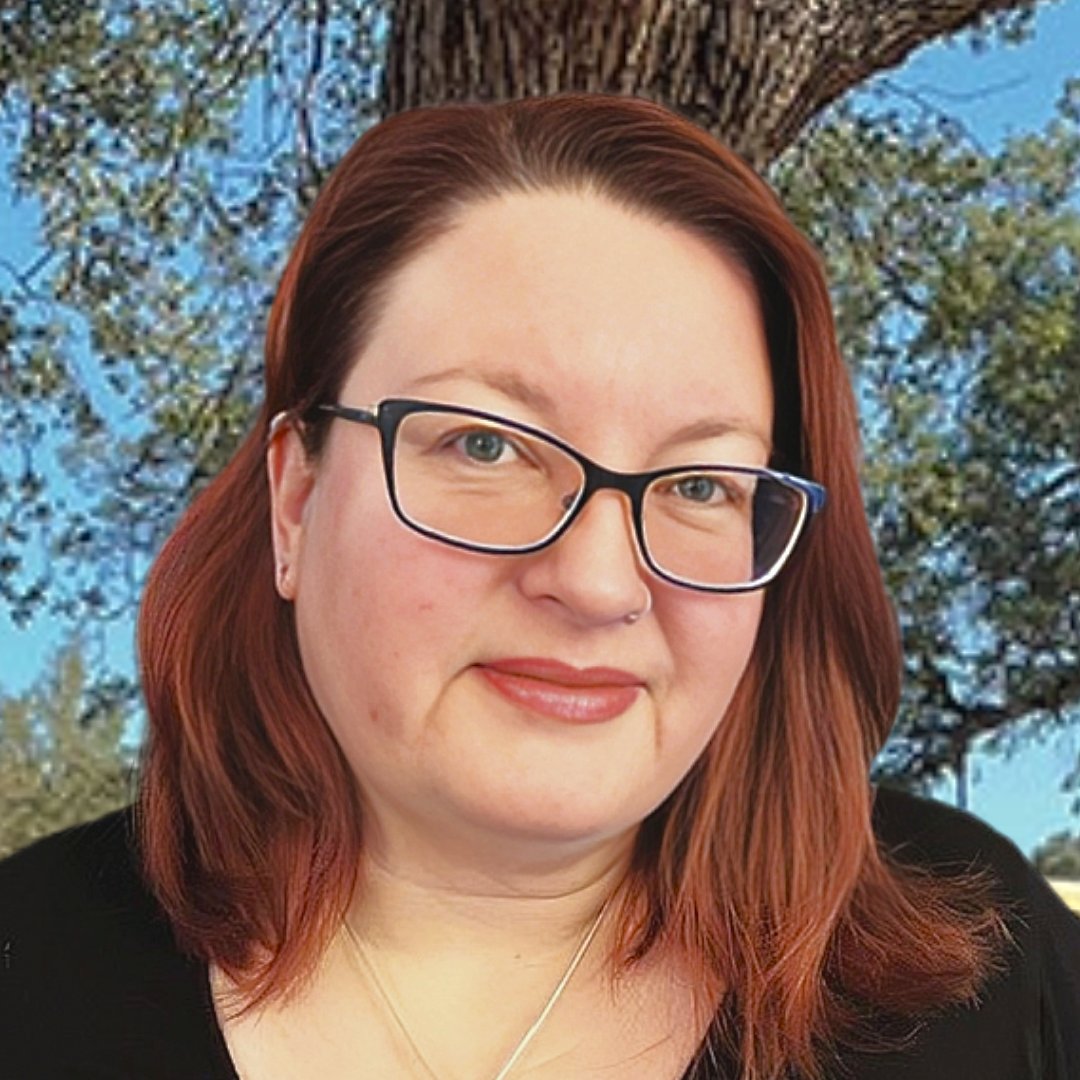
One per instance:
(762, 866)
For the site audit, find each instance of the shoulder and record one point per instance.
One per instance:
(928, 833)
(81, 880)
(916, 829)
(91, 857)
(1033, 1006)
(89, 969)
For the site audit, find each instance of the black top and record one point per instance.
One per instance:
(93, 988)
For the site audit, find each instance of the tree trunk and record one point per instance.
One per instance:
(752, 72)
(963, 787)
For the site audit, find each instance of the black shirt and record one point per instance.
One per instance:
(92, 986)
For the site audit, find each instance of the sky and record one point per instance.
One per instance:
(994, 93)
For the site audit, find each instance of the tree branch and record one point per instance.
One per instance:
(940, 748)
(310, 177)
(754, 72)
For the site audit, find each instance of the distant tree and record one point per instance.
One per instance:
(1059, 856)
(56, 768)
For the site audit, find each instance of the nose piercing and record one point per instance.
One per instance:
(635, 615)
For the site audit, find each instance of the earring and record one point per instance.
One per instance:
(280, 420)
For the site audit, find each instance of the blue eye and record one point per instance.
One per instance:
(700, 489)
(483, 445)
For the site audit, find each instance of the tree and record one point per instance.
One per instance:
(955, 278)
(56, 769)
(1059, 857)
(174, 147)
(751, 72)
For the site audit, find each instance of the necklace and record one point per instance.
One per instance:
(515, 1054)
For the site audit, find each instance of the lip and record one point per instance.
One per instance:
(563, 692)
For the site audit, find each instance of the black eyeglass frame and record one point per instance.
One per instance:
(387, 416)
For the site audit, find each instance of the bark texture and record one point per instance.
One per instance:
(752, 72)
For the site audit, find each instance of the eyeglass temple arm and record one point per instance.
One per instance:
(288, 416)
(360, 416)
(817, 496)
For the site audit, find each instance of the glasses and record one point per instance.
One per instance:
(484, 483)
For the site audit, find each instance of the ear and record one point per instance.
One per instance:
(292, 478)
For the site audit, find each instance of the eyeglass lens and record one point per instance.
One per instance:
(492, 486)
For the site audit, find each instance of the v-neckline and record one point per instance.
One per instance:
(223, 1061)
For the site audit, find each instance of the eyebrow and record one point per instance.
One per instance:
(713, 429)
(516, 388)
(507, 383)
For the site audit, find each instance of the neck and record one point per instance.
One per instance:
(526, 945)
(415, 898)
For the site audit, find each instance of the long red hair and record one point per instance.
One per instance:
(762, 867)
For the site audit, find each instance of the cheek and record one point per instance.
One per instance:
(383, 616)
(710, 641)
(360, 568)
(715, 641)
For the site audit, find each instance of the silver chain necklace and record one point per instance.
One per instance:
(369, 966)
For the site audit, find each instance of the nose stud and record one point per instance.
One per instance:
(634, 616)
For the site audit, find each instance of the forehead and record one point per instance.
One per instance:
(570, 305)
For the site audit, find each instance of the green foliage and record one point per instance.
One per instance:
(172, 149)
(956, 277)
(1059, 857)
(58, 765)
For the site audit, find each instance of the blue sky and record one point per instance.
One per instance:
(995, 93)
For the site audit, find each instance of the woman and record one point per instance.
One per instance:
(509, 715)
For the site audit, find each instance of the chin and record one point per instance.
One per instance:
(557, 823)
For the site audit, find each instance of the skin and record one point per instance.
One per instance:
(496, 832)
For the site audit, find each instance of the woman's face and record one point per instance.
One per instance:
(642, 347)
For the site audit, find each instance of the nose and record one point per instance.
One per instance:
(594, 571)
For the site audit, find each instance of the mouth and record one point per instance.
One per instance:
(562, 692)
